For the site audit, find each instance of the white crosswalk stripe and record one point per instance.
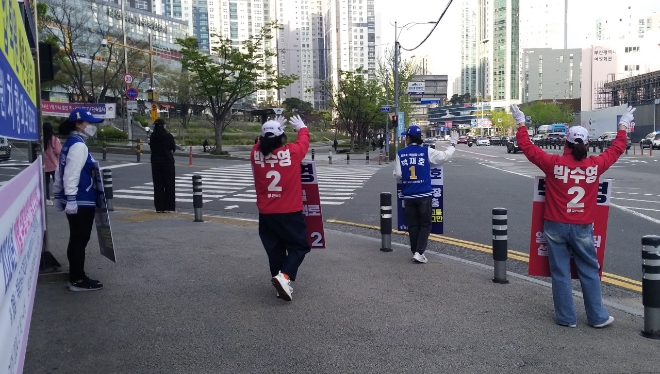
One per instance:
(235, 183)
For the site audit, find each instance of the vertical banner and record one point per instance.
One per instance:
(21, 242)
(102, 219)
(437, 216)
(538, 250)
(312, 204)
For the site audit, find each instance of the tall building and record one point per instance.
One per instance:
(422, 64)
(626, 22)
(551, 74)
(195, 12)
(469, 36)
(542, 24)
(505, 66)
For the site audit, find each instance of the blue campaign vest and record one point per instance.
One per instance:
(415, 172)
(86, 195)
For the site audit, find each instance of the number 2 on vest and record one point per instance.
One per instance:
(276, 179)
(412, 172)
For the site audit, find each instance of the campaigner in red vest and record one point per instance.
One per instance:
(571, 193)
(276, 169)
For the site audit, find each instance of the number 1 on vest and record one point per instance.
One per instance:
(412, 172)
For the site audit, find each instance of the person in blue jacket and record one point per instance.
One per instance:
(413, 168)
(75, 193)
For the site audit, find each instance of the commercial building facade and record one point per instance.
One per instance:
(551, 74)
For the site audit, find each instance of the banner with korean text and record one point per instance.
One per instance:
(21, 238)
(437, 215)
(56, 109)
(538, 250)
(312, 204)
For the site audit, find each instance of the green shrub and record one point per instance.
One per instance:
(110, 132)
(144, 121)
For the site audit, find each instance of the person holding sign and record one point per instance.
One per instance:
(276, 170)
(413, 168)
(75, 193)
(570, 204)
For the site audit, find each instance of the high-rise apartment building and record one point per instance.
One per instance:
(542, 24)
(551, 74)
(626, 22)
(195, 12)
(469, 36)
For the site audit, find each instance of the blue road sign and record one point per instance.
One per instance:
(385, 109)
(132, 93)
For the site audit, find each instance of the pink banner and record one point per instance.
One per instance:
(55, 109)
(312, 205)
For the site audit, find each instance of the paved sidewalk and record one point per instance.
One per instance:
(196, 298)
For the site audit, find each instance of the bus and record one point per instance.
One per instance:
(557, 127)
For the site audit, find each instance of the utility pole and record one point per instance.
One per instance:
(387, 121)
(565, 24)
(129, 120)
(396, 85)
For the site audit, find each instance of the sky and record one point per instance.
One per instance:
(443, 46)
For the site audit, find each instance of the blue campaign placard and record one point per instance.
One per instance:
(437, 214)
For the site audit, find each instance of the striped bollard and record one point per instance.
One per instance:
(138, 150)
(107, 188)
(330, 157)
(651, 286)
(367, 157)
(348, 158)
(105, 150)
(500, 245)
(197, 197)
(386, 221)
(312, 154)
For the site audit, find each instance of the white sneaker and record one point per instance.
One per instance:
(606, 323)
(419, 258)
(49, 202)
(283, 286)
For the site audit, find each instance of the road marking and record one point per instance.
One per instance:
(119, 166)
(639, 201)
(151, 198)
(231, 207)
(650, 210)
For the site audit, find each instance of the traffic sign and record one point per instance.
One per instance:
(278, 111)
(385, 109)
(128, 79)
(131, 105)
(132, 93)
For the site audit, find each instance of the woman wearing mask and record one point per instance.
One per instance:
(162, 167)
(75, 193)
(52, 149)
(276, 168)
(571, 195)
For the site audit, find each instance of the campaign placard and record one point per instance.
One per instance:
(102, 219)
(437, 215)
(312, 204)
(538, 250)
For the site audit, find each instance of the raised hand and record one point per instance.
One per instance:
(627, 118)
(517, 114)
(281, 120)
(297, 123)
(453, 139)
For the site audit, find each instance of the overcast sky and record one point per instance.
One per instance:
(444, 44)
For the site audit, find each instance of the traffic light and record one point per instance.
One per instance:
(47, 66)
(395, 119)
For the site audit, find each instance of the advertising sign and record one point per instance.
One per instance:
(437, 216)
(18, 93)
(54, 109)
(102, 219)
(312, 204)
(401, 125)
(538, 250)
(416, 88)
(21, 239)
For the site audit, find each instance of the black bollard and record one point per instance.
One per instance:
(348, 158)
(651, 286)
(500, 245)
(105, 149)
(138, 150)
(367, 157)
(593, 146)
(312, 154)
(197, 197)
(386, 221)
(107, 188)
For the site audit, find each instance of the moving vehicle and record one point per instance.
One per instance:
(556, 137)
(608, 137)
(495, 140)
(462, 139)
(429, 143)
(5, 149)
(483, 141)
(651, 140)
(512, 145)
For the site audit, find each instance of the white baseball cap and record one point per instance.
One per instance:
(272, 127)
(577, 132)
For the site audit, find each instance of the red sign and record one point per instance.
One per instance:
(312, 205)
(538, 250)
(128, 79)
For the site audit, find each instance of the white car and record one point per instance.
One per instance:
(483, 141)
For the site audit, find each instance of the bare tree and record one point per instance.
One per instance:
(178, 88)
(385, 75)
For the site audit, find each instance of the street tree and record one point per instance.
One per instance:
(233, 73)
(269, 103)
(502, 121)
(176, 87)
(294, 105)
(543, 113)
(385, 76)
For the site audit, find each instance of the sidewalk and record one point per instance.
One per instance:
(196, 298)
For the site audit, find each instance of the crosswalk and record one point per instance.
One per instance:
(235, 184)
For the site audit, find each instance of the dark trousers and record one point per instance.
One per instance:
(418, 215)
(284, 237)
(163, 177)
(47, 176)
(80, 229)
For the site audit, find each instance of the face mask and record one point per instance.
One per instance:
(90, 131)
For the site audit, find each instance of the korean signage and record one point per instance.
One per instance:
(416, 88)
(139, 20)
(312, 205)
(102, 219)
(22, 226)
(538, 249)
(401, 125)
(55, 109)
(18, 95)
(437, 216)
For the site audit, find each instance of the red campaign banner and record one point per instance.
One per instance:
(538, 250)
(312, 205)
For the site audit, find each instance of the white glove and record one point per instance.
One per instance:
(517, 114)
(58, 205)
(281, 120)
(297, 123)
(71, 207)
(627, 117)
(453, 140)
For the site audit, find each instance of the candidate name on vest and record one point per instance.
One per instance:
(415, 172)
(86, 191)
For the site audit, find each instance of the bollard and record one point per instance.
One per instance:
(651, 150)
(105, 150)
(138, 150)
(367, 157)
(386, 221)
(554, 145)
(626, 149)
(500, 245)
(312, 154)
(642, 148)
(651, 285)
(190, 163)
(593, 146)
(634, 149)
(601, 147)
(380, 157)
(107, 188)
(348, 158)
(330, 157)
(197, 197)
(559, 145)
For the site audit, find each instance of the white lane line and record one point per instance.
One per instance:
(118, 166)
(651, 210)
(181, 194)
(639, 201)
(239, 199)
(648, 194)
(151, 198)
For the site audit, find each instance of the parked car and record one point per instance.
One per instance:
(429, 143)
(5, 149)
(556, 138)
(651, 140)
(608, 137)
(483, 141)
(462, 139)
(505, 140)
(512, 145)
(495, 140)
(537, 138)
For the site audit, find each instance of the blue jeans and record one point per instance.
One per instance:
(558, 237)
